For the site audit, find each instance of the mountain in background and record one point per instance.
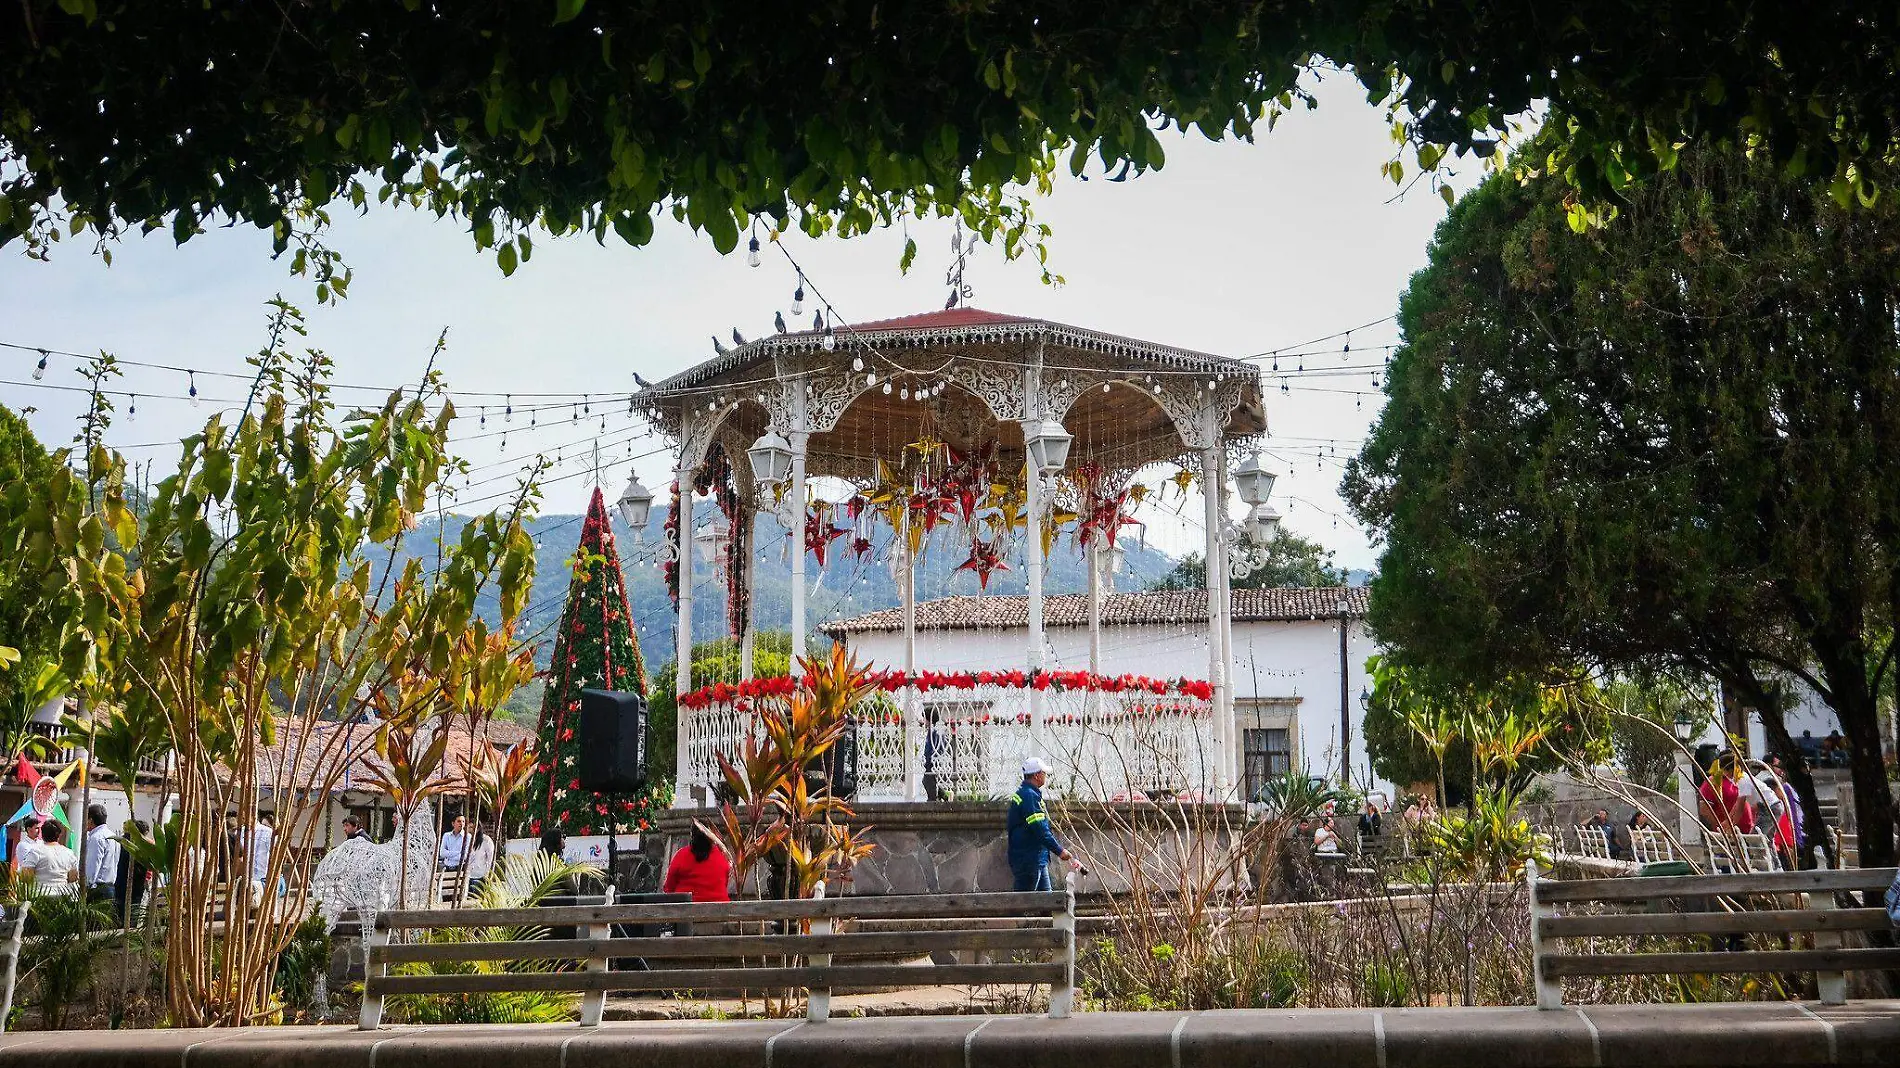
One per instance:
(845, 586)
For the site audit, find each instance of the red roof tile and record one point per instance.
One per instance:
(1159, 607)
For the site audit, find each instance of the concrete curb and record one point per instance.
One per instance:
(1620, 1036)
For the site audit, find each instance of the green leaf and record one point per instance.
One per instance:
(505, 256)
(567, 10)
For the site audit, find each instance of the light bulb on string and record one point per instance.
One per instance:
(887, 389)
(798, 296)
(1347, 347)
(752, 251)
(587, 404)
(508, 413)
(857, 363)
(576, 416)
(830, 342)
(39, 369)
(132, 410)
(191, 380)
(484, 417)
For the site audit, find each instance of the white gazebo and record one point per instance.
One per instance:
(1012, 434)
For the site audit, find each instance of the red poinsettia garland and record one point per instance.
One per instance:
(782, 686)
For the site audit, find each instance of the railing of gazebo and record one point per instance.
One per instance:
(964, 735)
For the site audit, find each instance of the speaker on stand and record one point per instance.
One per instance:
(613, 757)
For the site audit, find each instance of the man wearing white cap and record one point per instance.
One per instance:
(1030, 838)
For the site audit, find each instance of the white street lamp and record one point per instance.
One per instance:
(771, 458)
(711, 540)
(1254, 481)
(635, 505)
(1262, 523)
(1048, 445)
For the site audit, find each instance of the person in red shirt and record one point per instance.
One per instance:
(1723, 806)
(701, 869)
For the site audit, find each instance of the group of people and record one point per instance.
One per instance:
(110, 873)
(463, 850)
(1748, 796)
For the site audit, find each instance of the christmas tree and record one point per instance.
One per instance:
(594, 648)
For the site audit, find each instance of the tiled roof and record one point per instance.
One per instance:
(1159, 607)
(937, 320)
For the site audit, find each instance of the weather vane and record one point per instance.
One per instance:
(960, 291)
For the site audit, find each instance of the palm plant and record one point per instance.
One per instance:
(64, 950)
(408, 769)
(517, 882)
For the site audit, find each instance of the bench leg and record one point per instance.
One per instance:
(1832, 986)
(371, 1016)
(1550, 992)
(1062, 992)
(594, 1002)
(818, 1001)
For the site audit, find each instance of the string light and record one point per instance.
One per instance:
(508, 413)
(39, 371)
(132, 410)
(191, 378)
(798, 296)
(752, 249)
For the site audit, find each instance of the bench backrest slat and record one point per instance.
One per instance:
(1665, 886)
(915, 906)
(855, 975)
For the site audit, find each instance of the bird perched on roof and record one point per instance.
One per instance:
(778, 320)
(737, 337)
(717, 347)
(817, 320)
(644, 384)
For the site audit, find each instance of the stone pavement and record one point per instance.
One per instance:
(1627, 1036)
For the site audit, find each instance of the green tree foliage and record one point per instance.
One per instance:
(587, 118)
(24, 627)
(713, 661)
(1290, 561)
(1666, 444)
(1643, 713)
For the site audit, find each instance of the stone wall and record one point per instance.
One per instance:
(960, 847)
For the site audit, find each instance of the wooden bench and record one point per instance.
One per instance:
(806, 937)
(1819, 918)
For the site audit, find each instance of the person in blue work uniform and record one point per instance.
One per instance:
(1030, 838)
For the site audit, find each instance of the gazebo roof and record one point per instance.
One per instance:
(870, 389)
(953, 326)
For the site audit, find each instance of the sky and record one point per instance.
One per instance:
(1232, 248)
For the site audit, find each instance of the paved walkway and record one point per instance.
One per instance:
(1635, 1036)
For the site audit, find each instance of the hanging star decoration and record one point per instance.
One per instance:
(820, 531)
(1183, 479)
(985, 558)
(1105, 509)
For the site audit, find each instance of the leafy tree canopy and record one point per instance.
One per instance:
(1290, 561)
(25, 626)
(843, 115)
(1667, 443)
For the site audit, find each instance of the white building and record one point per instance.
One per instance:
(1295, 689)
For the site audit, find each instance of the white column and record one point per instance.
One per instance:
(915, 733)
(748, 524)
(796, 497)
(1096, 560)
(1216, 556)
(1231, 769)
(1032, 562)
(683, 633)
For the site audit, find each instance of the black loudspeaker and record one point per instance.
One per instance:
(613, 737)
(841, 764)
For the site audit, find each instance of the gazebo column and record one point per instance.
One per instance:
(683, 632)
(916, 735)
(1216, 557)
(1231, 768)
(1032, 556)
(746, 527)
(796, 507)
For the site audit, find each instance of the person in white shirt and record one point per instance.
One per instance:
(102, 856)
(1326, 839)
(54, 868)
(481, 859)
(455, 845)
(26, 855)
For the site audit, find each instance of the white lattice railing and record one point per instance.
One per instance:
(965, 736)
